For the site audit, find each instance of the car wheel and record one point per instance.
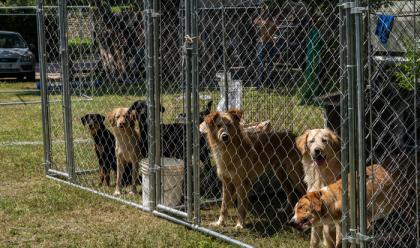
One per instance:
(30, 76)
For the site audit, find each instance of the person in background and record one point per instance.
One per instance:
(266, 49)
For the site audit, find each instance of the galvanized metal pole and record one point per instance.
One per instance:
(360, 104)
(188, 82)
(351, 77)
(151, 102)
(370, 128)
(225, 69)
(416, 43)
(344, 126)
(68, 129)
(196, 107)
(157, 77)
(44, 87)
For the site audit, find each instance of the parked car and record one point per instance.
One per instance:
(16, 58)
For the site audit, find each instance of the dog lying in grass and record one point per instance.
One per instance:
(241, 157)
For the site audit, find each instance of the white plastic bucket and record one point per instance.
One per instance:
(172, 176)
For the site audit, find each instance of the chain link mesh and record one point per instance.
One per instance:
(279, 62)
(392, 116)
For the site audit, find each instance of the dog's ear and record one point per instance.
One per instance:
(141, 107)
(316, 201)
(111, 118)
(100, 118)
(210, 118)
(236, 114)
(132, 116)
(209, 104)
(83, 120)
(335, 140)
(204, 128)
(301, 142)
(133, 106)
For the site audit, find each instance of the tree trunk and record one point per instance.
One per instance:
(120, 41)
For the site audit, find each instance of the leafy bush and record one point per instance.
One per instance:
(80, 47)
(407, 70)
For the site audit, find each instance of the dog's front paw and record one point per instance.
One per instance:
(132, 193)
(217, 223)
(117, 193)
(239, 226)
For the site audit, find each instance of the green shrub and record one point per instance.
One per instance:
(78, 48)
(407, 71)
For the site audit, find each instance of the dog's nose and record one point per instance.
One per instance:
(225, 137)
(317, 151)
(121, 124)
(291, 222)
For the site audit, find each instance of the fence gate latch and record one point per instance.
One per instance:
(363, 237)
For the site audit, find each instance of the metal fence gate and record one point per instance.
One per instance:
(156, 69)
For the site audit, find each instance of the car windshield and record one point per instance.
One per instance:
(11, 41)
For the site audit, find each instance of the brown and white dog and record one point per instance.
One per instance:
(324, 206)
(127, 145)
(320, 149)
(241, 156)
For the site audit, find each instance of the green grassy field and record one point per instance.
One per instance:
(35, 211)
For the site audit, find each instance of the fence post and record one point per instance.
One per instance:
(68, 130)
(188, 82)
(351, 77)
(151, 205)
(416, 135)
(360, 104)
(156, 61)
(196, 107)
(225, 69)
(44, 86)
(344, 126)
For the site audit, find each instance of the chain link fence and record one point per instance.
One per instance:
(324, 89)
(392, 113)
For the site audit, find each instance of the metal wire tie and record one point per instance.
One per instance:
(358, 10)
(155, 168)
(152, 13)
(190, 39)
(350, 237)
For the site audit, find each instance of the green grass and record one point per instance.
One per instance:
(35, 211)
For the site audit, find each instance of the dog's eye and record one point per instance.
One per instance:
(324, 141)
(219, 125)
(311, 141)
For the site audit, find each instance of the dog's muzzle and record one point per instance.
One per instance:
(224, 137)
(318, 157)
(301, 226)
